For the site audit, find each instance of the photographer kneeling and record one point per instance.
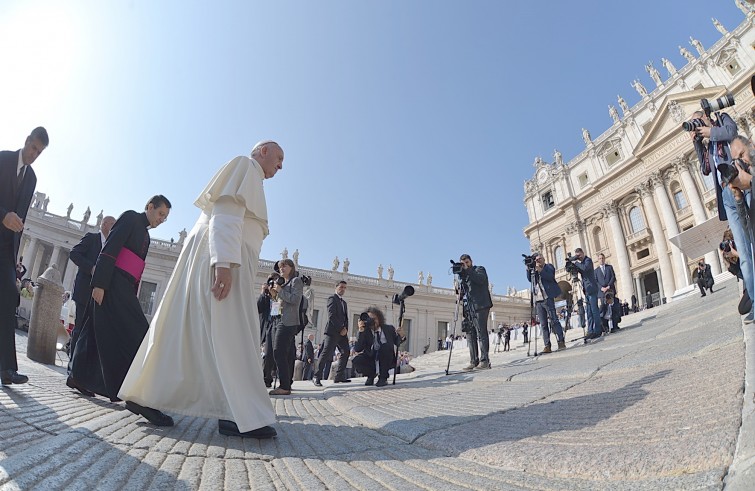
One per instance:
(285, 318)
(546, 290)
(583, 264)
(377, 341)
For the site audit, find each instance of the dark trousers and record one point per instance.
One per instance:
(326, 355)
(80, 311)
(703, 284)
(306, 372)
(9, 299)
(364, 363)
(283, 353)
(268, 364)
(479, 354)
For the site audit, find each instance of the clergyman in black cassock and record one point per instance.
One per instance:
(114, 324)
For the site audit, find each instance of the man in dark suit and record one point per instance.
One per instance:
(704, 277)
(605, 277)
(308, 357)
(84, 255)
(17, 184)
(476, 279)
(584, 265)
(336, 335)
(377, 343)
(546, 290)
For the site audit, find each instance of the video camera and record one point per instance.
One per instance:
(400, 297)
(274, 279)
(456, 268)
(307, 280)
(529, 261)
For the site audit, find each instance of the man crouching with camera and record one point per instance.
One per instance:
(377, 341)
(546, 290)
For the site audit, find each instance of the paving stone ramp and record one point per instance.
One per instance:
(659, 405)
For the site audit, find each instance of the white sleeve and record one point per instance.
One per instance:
(226, 229)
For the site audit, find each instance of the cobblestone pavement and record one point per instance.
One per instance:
(657, 406)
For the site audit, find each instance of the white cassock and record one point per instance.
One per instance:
(201, 356)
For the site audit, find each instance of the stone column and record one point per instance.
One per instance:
(30, 255)
(638, 286)
(35, 269)
(22, 247)
(620, 247)
(672, 228)
(698, 209)
(55, 256)
(662, 291)
(72, 269)
(646, 193)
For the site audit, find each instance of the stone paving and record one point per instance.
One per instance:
(657, 406)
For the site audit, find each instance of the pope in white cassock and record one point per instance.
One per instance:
(201, 354)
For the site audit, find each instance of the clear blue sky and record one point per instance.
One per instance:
(408, 127)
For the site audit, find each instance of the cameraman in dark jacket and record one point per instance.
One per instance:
(546, 290)
(266, 333)
(590, 286)
(713, 144)
(704, 277)
(476, 280)
(376, 341)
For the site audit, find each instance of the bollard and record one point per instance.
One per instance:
(45, 317)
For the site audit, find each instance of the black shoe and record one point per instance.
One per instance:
(229, 428)
(157, 418)
(370, 381)
(615, 329)
(316, 382)
(70, 382)
(381, 382)
(702, 295)
(344, 381)
(9, 377)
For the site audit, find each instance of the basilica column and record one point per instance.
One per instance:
(30, 255)
(71, 270)
(646, 193)
(54, 257)
(698, 209)
(638, 286)
(34, 268)
(672, 228)
(620, 247)
(660, 277)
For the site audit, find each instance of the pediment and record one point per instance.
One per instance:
(675, 109)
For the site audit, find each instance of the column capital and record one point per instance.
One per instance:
(657, 179)
(644, 189)
(681, 164)
(610, 209)
(575, 227)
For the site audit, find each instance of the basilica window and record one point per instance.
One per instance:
(548, 202)
(583, 180)
(559, 255)
(679, 200)
(635, 219)
(733, 67)
(596, 239)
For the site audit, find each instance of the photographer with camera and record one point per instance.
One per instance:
(543, 277)
(714, 141)
(704, 277)
(475, 280)
(583, 265)
(266, 330)
(286, 321)
(610, 313)
(377, 341)
(336, 335)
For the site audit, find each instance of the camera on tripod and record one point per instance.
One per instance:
(307, 280)
(529, 261)
(456, 268)
(400, 297)
(570, 267)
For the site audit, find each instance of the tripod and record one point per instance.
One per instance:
(469, 316)
(531, 271)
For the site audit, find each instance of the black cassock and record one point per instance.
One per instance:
(113, 331)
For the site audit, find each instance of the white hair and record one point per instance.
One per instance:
(259, 145)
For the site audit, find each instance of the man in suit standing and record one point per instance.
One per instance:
(84, 255)
(704, 277)
(376, 343)
(546, 291)
(336, 331)
(17, 184)
(308, 357)
(584, 265)
(605, 277)
(476, 279)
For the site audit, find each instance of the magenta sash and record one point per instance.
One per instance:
(130, 263)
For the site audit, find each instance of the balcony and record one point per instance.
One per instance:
(638, 240)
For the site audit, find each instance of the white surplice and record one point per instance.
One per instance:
(201, 356)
